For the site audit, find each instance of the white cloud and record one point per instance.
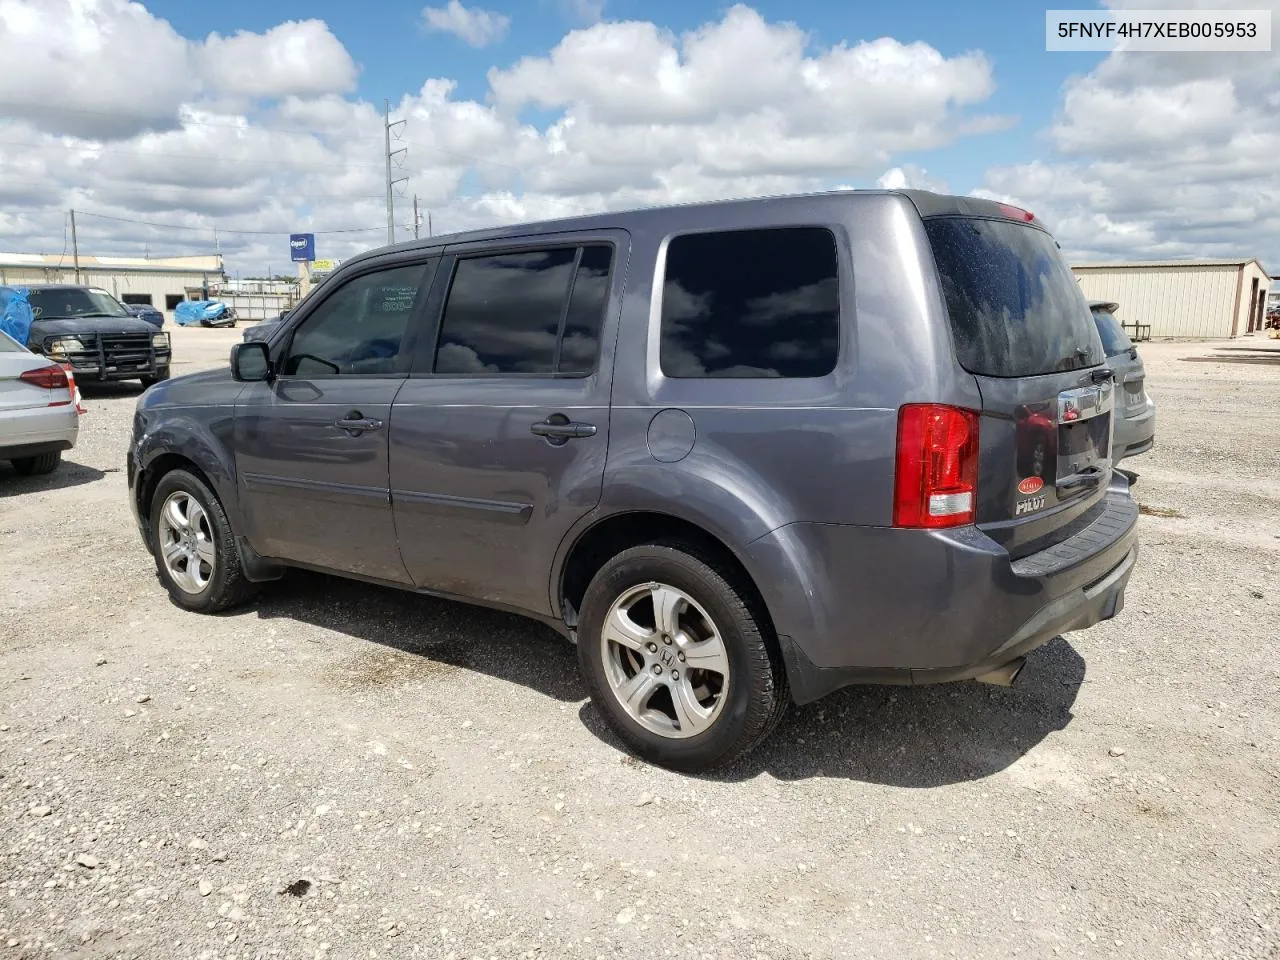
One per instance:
(909, 176)
(105, 68)
(473, 25)
(738, 107)
(1161, 155)
(299, 58)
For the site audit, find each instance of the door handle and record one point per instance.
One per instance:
(558, 427)
(354, 423)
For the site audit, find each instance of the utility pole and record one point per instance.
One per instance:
(387, 124)
(75, 247)
(416, 219)
(428, 223)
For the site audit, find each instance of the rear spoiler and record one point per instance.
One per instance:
(942, 205)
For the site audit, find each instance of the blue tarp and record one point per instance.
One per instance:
(191, 312)
(15, 313)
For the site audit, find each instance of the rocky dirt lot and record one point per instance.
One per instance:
(341, 771)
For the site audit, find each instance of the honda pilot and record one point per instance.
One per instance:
(741, 453)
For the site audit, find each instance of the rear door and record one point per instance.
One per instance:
(498, 440)
(1021, 325)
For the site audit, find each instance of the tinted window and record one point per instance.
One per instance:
(73, 302)
(1015, 308)
(581, 339)
(1114, 340)
(360, 328)
(751, 303)
(505, 313)
(9, 345)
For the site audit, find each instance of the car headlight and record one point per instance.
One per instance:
(160, 341)
(64, 345)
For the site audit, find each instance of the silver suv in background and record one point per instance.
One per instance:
(742, 453)
(1135, 427)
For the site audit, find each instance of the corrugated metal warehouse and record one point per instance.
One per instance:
(162, 282)
(1210, 299)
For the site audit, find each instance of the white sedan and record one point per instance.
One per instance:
(39, 409)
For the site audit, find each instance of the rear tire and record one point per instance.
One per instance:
(34, 466)
(721, 712)
(188, 525)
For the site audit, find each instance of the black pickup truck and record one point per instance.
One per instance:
(92, 331)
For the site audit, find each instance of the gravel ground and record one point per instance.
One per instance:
(342, 771)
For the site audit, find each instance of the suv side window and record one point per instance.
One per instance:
(533, 312)
(751, 303)
(361, 328)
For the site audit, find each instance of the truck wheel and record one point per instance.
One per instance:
(162, 373)
(34, 466)
(677, 656)
(195, 549)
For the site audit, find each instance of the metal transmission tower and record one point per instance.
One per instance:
(387, 126)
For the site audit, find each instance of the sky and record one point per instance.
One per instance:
(171, 126)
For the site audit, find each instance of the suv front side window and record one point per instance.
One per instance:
(360, 329)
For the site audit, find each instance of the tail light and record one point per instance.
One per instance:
(1016, 213)
(936, 482)
(51, 378)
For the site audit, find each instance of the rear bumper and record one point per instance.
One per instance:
(37, 430)
(878, 605)
(1134, 435)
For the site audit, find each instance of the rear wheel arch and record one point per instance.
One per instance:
(609, 536)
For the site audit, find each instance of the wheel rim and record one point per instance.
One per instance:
(186, 542)
(665, 660)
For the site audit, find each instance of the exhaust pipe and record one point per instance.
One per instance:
(1004, 676)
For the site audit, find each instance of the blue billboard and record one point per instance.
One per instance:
(302, 247)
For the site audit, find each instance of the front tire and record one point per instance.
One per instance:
(162, 373)
(35, 466)
(677, 654)
(194, 546)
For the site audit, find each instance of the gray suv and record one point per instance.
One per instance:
(742, 453)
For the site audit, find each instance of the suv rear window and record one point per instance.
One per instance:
(751, 303)
(1015, 308)
(1114, 340)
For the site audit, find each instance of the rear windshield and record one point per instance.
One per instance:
(1015, 308)
(1114, 340)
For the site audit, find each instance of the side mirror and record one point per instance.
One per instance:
(251, 362)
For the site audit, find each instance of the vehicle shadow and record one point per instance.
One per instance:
(103, 390)
(501, 645)
(897, 736)
(926, 736)
(68, 474)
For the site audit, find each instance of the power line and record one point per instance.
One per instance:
(220, 229)
(219, 159)
(256, 126)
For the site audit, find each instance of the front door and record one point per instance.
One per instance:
(498, 440)
(311, 445)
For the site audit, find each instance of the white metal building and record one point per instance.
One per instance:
(163, 282)
(1209, 299)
